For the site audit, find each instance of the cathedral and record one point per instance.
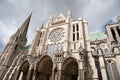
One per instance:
(62, 49)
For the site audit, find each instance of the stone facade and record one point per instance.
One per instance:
(62, 50)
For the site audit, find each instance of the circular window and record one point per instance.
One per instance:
(56, 35)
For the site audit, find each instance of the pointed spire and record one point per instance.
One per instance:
(42, 25)
(69, 13)
(60, 17)
(118, 18)
(50, 21)
(69, 16)
(25, 25)
(51, 18)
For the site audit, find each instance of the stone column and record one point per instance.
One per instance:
(17, 74)
(81, 71)
(102, 65)
(53, 74)
(109, 33)
(21, 75)
(29, 72)
(53, 71)
(59, 74)
(34, 75)
(117, 58)
(58, 71)
(92, 64)
(116, 34)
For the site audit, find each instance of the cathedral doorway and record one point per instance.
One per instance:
(44, 69)
(23, 71)
(70, 69)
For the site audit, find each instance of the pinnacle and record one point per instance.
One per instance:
(25, 25)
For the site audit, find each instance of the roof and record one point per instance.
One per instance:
(97, 36)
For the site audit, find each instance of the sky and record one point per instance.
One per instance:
(13, 13)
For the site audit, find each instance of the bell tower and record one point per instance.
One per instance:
(16, 43)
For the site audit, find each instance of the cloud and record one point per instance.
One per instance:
(7, 29)
(14, 12)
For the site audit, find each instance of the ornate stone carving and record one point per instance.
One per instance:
(56, 35)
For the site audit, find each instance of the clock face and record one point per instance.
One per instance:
(56, 35)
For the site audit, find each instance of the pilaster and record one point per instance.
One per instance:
(117, 58)
(81, 75)
(30, 71)
(110, 36)
(102, 65)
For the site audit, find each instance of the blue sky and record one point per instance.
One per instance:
(14, 12)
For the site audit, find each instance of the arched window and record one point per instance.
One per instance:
(113, 34)
(112, 71)
(118, 30)
(73, 36)
(105, 51)
(55, 48)
(73, 28)
(16, 38)
(94, 52)
(75, 32)
(77, 35)
(40, 34)
(49, 48)
(77, 27)
(52, 48)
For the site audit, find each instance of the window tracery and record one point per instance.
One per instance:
(56, 35)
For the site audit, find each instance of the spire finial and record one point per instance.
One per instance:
(25, 25)
(69, 16)
(42, 25)
(69, 13)
(51, 18)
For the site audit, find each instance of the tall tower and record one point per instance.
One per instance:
(16, 43)
(113, 32)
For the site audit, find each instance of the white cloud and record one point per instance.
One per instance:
(7, 29)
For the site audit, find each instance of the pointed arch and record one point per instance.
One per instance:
(70, 69)
(112, 70)
(44, 68)
(23, 71)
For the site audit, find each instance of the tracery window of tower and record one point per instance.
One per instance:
(40, 38)
(118, 30)
(75, 32)
(112, 71)
(16, 38)
(94, 51)
(75, 36)
(113, 34)
(106, 51)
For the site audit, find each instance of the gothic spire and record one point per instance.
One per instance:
(24, 28)
(69, 13)
(69, 16)
(51, 18)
